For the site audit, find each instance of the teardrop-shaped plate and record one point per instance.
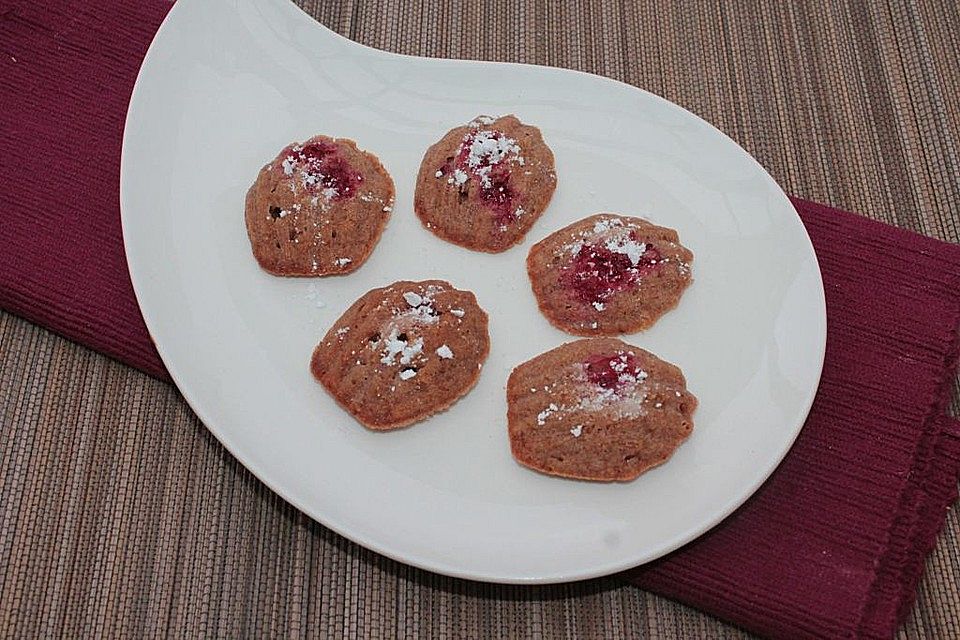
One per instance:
(226, 84)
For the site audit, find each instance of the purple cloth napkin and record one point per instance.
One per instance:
(831, 546)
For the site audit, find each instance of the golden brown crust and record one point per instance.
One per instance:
(298, 227)
(403, 352)
(597, 409)
(643, 297)
(458, 207)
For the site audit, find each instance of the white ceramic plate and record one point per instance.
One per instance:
(226, 85)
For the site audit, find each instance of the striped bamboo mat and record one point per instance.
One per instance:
(121, 516)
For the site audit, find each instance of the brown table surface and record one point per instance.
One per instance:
(122, 515)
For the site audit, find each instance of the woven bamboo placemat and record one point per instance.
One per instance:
(122, 516)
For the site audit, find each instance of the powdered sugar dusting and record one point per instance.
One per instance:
(318, 167)
(424, 314)
(420, 306)
(608, 257)
(615, 236)
(395, 341)
(615, 382)
(313, 294)
(488, 148)
(631, 248)
(624, 406)
(626, 401)
(480, 121)
(394, 345)
(546, 413)
(444, 352)
(606, 224)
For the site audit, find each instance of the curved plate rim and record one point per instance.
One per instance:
(380, 546)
